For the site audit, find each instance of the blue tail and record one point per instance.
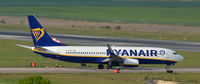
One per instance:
(39, 35)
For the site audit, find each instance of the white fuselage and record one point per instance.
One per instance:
(124, 52)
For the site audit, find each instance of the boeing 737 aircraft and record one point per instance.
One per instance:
(112, 56)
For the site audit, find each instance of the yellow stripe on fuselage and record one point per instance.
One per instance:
(104, 56)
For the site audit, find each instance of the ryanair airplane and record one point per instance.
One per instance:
(112, 56)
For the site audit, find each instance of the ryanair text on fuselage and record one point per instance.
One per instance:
(131, 52)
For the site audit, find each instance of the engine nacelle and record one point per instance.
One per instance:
(128, 62)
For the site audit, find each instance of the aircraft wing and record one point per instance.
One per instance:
(113, 57)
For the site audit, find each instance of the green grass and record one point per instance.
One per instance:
(153, 15)
(166, 3)
(15, 56)
(190, 58)
(91, 78)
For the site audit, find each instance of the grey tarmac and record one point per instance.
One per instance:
(102, 41)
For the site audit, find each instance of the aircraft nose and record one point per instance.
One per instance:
(181, 58)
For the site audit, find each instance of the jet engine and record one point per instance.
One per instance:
(128, 62)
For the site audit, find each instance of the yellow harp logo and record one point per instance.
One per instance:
(38, 33)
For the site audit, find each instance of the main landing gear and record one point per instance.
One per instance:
(100, 66)
(110, 65)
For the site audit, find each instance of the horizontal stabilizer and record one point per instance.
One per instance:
(24, 46)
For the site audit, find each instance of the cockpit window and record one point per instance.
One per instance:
(175, 53)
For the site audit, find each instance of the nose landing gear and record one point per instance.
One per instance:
(168, 70)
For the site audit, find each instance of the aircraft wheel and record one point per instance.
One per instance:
(100, 66)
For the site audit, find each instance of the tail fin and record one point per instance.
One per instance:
(39, 35)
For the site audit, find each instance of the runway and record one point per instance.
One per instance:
(102, 41)
(91, 70)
